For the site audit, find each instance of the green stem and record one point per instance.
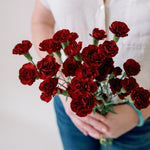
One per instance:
(28, 56)
(63, 77)
(124, 75)
(101, 88)
(117, 102)
(95, 42)
(63, 80)
(62, 85)
(116, 39)
(33, 62)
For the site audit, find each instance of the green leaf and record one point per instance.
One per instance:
(64, 44)
(65, 93)
(130, 100)
(94, 110)
(78, 58)
(58, 54)
(123, 90)
(111, 76)
(51, 54)
(58, 92)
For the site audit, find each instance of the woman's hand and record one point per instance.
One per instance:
(99, 126)
(91, 125)
(120, 123)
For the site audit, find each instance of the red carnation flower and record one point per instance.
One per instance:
(69, 66)
(85, 71)
(62, 35)
(28, 74)
(117, 71)
(104, 69)
(83, 103)
(115, 85)
(98, 34)
(48, 88)
(82, 85)
(50, 46)
(131, 67)
(92, 56)
(22, 48)
(120, 29)
(73, 48)
(109, 48)
(46, 97)
(73, 36)
(141, 97)
(129, 84)
(47, 67)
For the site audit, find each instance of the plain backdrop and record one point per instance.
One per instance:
(26, 122)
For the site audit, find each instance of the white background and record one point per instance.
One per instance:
(26, 122)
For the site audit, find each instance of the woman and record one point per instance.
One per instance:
(82, 16)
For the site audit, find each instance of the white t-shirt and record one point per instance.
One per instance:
(82, 16)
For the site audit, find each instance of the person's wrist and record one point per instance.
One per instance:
(139, 113)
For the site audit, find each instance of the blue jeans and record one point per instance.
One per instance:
(72, 139)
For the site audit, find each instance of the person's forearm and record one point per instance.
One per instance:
(40, 32)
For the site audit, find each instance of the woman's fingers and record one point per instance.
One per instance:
(98, 125)
(98, 116)
(86, 128)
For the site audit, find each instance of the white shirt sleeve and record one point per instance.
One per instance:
(45, 3)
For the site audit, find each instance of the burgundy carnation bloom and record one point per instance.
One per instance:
(82, 85)
(109, 48)
(22, 48)
(47, 67)
(73, 48)
(83, 103)
(129, 84)
(50, 46)
(104, 69)
(92, 56)
(131, 67)
(115, 85)
(62, 35)
(73, 36)
(46, 97)
(117, 71)
(98, 34)
(120, 29)
(69, 66)
(28, 74)
(48, 88)
(76, 84)
(141, 97)
(85, 71)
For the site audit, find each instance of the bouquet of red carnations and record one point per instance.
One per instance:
(91, 79)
